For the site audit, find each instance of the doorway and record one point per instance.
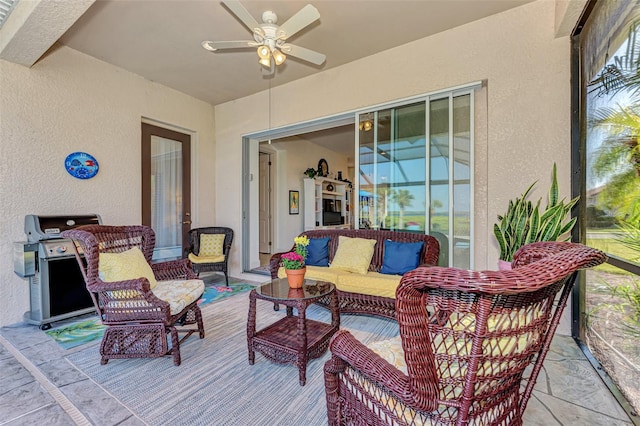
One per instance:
(265, 204)
(286, 173)
(166, 189)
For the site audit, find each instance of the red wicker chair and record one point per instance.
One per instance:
(137, 321)
(466, 337)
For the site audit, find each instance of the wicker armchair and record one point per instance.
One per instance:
(210, 263)
(466, 339)
(138, 319)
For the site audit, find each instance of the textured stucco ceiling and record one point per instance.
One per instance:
(160, 40)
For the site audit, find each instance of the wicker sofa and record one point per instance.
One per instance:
(353, 302)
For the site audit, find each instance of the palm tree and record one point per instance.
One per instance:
(402, 198)
(620, 76)
(618, 159)
(383, 192)
(613, 79)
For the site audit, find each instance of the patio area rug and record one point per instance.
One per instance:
(215, 384)
(87, 330)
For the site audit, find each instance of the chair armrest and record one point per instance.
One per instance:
(373, 367)
(174, 270)
(274, 264)
(138, 284)
(346, 347)
(141, 285)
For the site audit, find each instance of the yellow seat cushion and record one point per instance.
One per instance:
(318, 273)
(179, 293)
(391, 351)
(206, 259)
(450, 372)
(128, 265)
(371, 283)
(353, 254)
(211, 245)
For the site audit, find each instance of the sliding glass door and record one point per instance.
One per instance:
(608, 298)
(392, 169)
(407, 184)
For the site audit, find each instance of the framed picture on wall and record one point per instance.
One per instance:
(294, 202)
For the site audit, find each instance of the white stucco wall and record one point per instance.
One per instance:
(522, 125)
(71, 102)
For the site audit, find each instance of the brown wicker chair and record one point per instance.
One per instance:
(194, 247)
(137, 321)
(466, 337)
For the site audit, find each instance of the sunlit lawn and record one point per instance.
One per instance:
(611, 245)
(439, 222)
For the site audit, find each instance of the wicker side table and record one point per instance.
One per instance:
(294, 339)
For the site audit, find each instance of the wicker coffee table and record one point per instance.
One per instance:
(294, 339)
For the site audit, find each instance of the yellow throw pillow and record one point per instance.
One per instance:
(127, 265)
(353, 254)
(211, 244)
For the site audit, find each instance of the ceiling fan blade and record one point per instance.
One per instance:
(304, 17)
(304, 54)
(243, 14)
(217, 45)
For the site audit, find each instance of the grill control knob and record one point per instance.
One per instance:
(61, 249)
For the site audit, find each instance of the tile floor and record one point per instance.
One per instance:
(38, 386)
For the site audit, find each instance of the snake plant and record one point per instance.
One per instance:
(525, 223)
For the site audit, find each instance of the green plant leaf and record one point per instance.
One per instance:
(534, 225)
(568, 226)
(552, 230)
(553, 190)
(501, 241)
(551, 213)
(521, 223)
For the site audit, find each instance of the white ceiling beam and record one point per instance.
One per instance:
(35, 25)
(568, 13)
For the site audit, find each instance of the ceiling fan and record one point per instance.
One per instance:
(269, 38)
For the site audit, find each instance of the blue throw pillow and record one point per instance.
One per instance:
(400, 257)
(318, 252)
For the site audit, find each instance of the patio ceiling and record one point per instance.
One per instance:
(160, 40)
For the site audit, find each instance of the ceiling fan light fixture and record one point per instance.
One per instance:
(366, 125)
(279, 57)
(263, 52)
(265, 62)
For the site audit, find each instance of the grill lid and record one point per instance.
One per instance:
(40, 228)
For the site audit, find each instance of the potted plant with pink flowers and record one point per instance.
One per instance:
(294, 262)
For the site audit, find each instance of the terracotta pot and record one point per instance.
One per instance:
(295, 277)
(295, 293)
(504, 265)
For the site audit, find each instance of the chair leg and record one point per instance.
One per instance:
(175, 347)
(226, 276)
(200, 322)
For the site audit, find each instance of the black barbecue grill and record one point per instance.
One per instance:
(56, 287)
